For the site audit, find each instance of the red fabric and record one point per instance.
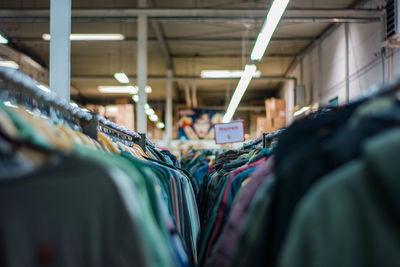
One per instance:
(224, 202)
(211, 169)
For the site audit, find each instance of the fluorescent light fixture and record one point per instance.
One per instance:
(135, 98)
(301, 111)
(274, 15)
(3, 40)
(150, 111)
(146, 106)
(153, 117)
(43, 88)
(217, 74)
(244, 82)
(91, 37)
(9, 64)
(8, 104)
(160, 125)
(147, 89)
(118, 89)
(121, 77)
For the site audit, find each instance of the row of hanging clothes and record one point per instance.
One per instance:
(78, 190)
(196, 162)
(220, 174)
(327, 193)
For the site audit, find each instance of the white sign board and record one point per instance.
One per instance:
(232, 132)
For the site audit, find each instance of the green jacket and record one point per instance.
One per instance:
(352, 217)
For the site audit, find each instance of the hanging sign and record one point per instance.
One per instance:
(232, 132)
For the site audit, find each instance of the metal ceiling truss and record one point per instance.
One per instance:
(184, 15)
(179, 39)
(95, 78)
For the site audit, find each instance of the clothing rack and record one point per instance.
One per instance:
(253, 143)
(267, 138)
(110, 128)
(24, 90)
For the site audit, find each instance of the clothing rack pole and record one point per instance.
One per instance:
(142, 142)
(267, 138)
(90, 128)
(120, 131)
(24, 84)
(88, 121)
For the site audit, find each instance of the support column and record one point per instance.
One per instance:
(194, 94)
(168, 108)
(187, 95)
(60, 48)
(347, 57)
(141, 118)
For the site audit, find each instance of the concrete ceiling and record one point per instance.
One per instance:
(193, 45)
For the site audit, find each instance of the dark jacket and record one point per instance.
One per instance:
(351, 217)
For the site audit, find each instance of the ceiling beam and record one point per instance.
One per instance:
(335, 15)
(236, 56)
(158, 31)
(104, 101)
(176, 39)
(89, 78)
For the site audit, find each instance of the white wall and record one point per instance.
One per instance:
(324, 65)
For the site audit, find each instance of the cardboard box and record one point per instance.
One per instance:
(275, 108)
(279, 123)
(269, 126)
(261, 121)
(265, 125)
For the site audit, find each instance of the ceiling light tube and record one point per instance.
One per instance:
(220, 74)
(121, 77)
(148, 89)
(160, 125)
(153, 117)
(91, 37)
(244, 82)
(135, 98)
(9, 64)
(3, 40)
(149, 111)
(118, 89)
(274, 15)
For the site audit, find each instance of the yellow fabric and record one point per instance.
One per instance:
(7, 125)
(103, 139)
(70, 134)
(56, 138)
(245, 182)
